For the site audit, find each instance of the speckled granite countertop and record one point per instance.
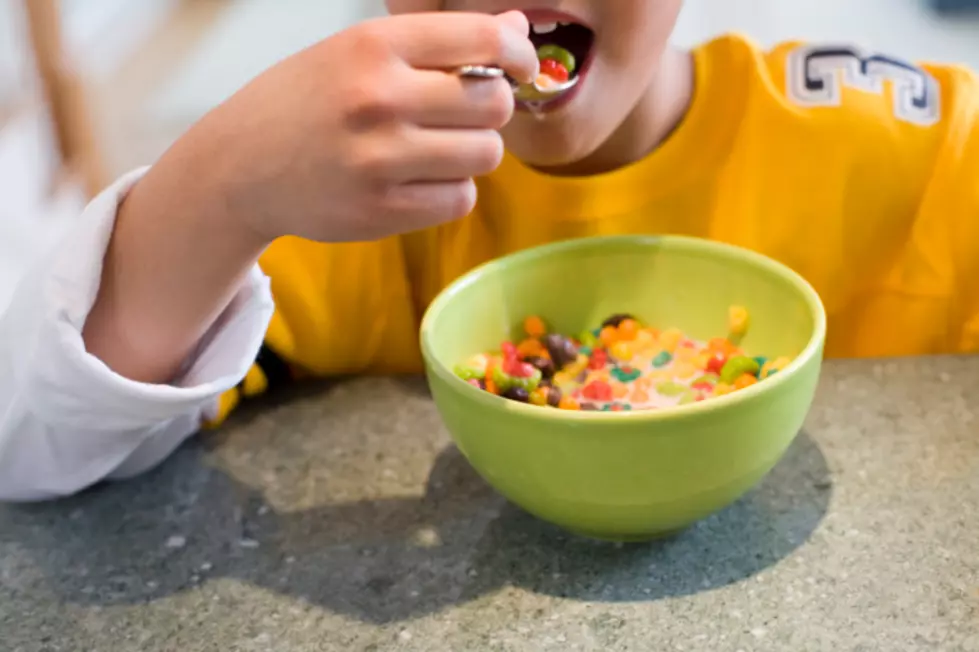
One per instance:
(343, 520)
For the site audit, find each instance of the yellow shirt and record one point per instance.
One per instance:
(858, 171)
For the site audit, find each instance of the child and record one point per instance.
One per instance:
(346, 172)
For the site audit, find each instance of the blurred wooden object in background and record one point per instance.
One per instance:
(65, 93)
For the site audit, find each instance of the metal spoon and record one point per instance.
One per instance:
(522, 92)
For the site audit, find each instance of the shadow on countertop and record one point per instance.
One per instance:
(388, 560)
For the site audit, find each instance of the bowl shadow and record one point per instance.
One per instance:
(390, 559)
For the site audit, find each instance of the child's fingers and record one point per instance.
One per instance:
(426, 203)
(445, 154)
(438, 99)
(447, 40)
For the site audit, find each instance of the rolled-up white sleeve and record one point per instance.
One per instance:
(67, 421)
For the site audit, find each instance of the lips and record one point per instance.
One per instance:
(545, 16)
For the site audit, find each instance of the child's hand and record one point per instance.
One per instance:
(369, 133)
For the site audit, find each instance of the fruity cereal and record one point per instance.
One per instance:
(556, 65)
(620, 366)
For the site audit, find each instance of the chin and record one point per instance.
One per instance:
(545, 160)
(550, 144)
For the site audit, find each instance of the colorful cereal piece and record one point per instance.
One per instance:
(670, 339)
(737, 321)
(534, 326)
(671, 388)
(773, 366)
(687, 397)
(645, 340)
(737, 366)
(599, 374)
(617, 407)
(564, 381)
(580, 363)
(621, 350)
(568, 403)
(685, 370)
(518, 394)
(597, 391)
(722, 389)
(626, 374)
(701, 360)
(545, 366)
(531, 348)
(608, 336)
(684, 354)
(704, 383)
(589, 339)
(598, 359)
(554, 396)
(616, 319)
(716, 362)
(552, 70)
(524, 376)
(663, 359)
(722, 346)
(744, 381)
(561, 349)
(628, 329)
(538, 397)
(474, 368)
(781, 363)
(557, 53)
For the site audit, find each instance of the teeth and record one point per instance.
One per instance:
(543, 28)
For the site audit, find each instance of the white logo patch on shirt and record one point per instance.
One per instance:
(817, 74)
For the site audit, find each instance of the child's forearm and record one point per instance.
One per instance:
(176, 259)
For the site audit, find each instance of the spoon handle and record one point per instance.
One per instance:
(480, 72)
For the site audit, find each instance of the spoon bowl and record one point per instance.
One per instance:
(534, 92)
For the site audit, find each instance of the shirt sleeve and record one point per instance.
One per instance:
(864, 171)
(67, 421)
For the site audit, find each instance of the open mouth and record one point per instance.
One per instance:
(572, 37)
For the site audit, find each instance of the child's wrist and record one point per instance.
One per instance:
(212, 195)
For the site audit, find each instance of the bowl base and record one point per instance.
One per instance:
(629, 538)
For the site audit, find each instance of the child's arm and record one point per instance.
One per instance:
(66, 420)
(106, 368)
(328, 151)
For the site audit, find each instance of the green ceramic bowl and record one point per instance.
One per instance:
(635, 475)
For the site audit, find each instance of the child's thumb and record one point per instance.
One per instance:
(517, 21)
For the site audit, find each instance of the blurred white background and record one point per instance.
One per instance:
(149, 68)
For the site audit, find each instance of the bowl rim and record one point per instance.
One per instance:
(812, 349)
